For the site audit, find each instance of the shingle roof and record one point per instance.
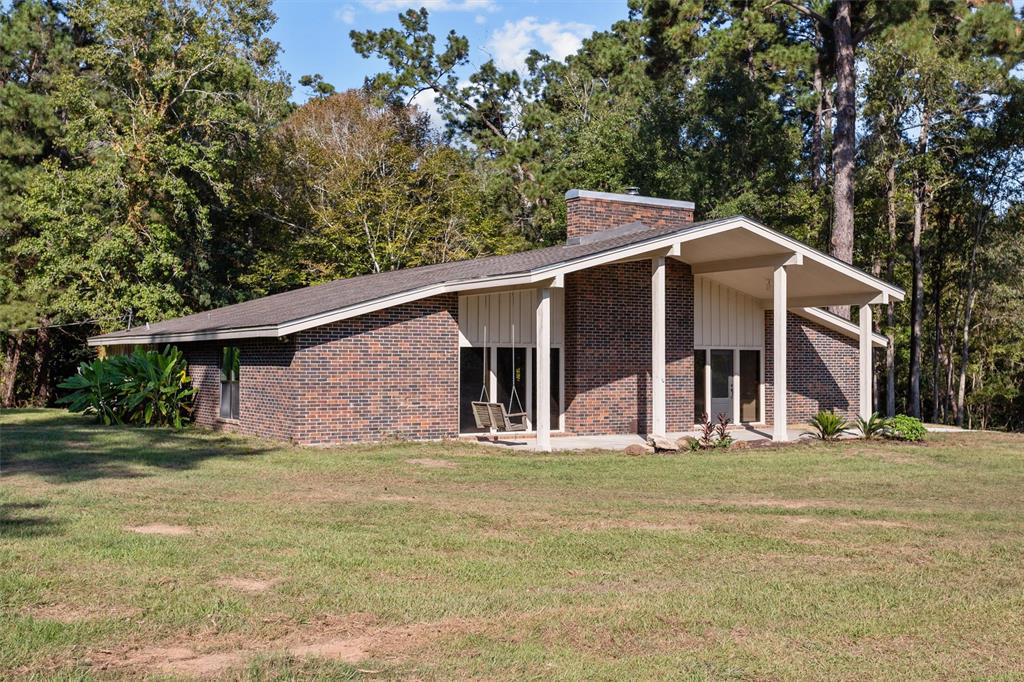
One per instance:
(264, 316)
(288, 306)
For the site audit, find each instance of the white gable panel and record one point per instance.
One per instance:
(507, 318)
(724, 317)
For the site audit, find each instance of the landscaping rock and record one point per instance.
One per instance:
(635, 450)
(686, 443)
(663, 443)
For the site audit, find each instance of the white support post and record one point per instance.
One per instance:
(658, 345)
(543, 378)
(779, 313)
(866, 364)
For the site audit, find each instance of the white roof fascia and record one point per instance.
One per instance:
(270, 331)
(838, 324)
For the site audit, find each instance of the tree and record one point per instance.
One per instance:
(360, 186)
(35, 47)
(842, 25)
(132, 215)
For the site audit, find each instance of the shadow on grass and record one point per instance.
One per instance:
(65, 448)
(16, 523)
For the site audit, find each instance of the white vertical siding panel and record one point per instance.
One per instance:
(507, 318)
(493, 315)
(724, 317)
(698, 312)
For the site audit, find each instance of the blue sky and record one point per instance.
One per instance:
(314, 33)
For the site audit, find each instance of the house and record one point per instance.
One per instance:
(640, 323)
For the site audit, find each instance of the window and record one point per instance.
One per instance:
(229, 382)
(750, 385)
(556, 373)
(506, 375)
(473, 383)
(700, 410)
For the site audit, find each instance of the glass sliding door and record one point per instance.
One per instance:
(473, 385)
(750, 385)
(510, 370)
(721, 384)
(700, 405)
(727, 381)
(505, 375)
(556, 375)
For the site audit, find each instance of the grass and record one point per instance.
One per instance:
(849, 561)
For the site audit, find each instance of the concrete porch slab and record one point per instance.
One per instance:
(619, 441)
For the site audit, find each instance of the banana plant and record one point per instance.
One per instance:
(148, 388)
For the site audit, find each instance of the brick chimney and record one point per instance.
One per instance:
(590, 212)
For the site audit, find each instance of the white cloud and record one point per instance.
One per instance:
(427, 101)
(346, 14)
(511, 44)
(432, 5)
(480, 19)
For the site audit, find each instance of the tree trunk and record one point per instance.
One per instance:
(917, 263)
(937, 266)
(876, 327)
(12, 358)
(965, 330)
(844, 144)
(890, 308)
(817, 133)
(41, 375)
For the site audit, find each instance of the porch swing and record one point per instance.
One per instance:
(493, 416)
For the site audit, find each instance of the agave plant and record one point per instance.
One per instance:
(873, 427)
(827, 426)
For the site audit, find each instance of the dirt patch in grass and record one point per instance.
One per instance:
(431, 463)
(68, 613)
(639, 524)
(251, 585)
(853, 523)
(160, 529)
(770, 502)
(349, 639)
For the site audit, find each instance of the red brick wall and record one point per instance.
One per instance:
(267, 386)
(392, 373)
(822, 369)
(608, 348)
(585, 215)
(395, 372)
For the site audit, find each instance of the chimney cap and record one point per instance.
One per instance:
(632, 190)
(628, 198)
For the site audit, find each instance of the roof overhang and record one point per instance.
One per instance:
(737, 251)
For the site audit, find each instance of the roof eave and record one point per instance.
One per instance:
(523, 278)
(182, 337)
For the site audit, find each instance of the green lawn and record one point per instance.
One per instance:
(263, 561)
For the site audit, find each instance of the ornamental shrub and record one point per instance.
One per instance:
(904, 427)
(874, 426)
(827, 426)
(146, 388)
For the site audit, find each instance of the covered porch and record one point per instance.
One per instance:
(762, 273)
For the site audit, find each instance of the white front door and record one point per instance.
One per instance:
(721, 384)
